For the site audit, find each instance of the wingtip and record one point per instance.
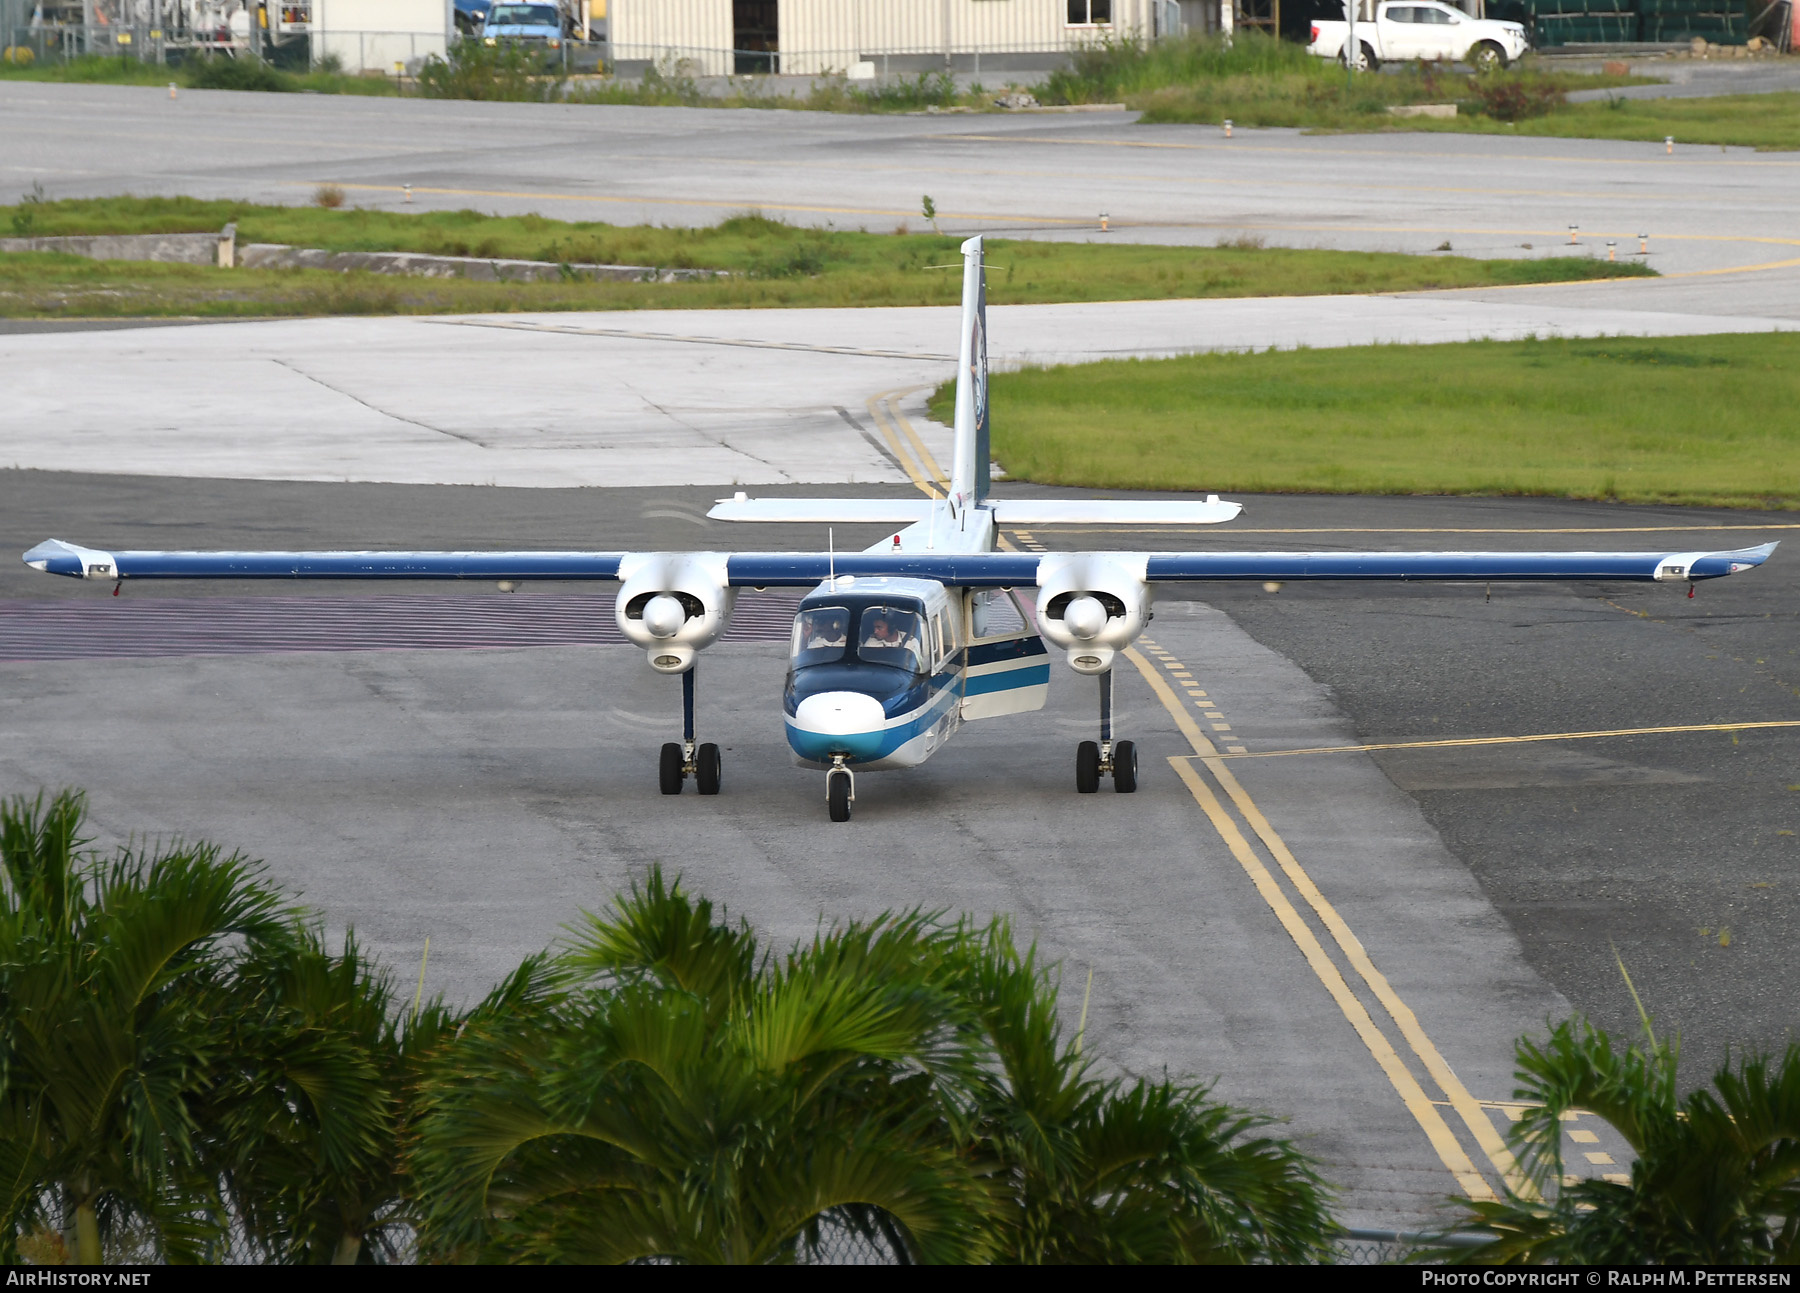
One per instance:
(39, 558)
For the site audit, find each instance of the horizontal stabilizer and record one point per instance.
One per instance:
(1155, 513)
(823, 511)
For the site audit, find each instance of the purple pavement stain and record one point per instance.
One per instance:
(123, 628)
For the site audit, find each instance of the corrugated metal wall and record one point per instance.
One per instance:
(819, 36)
(694, 32)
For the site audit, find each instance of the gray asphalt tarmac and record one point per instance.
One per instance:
(1705, 208)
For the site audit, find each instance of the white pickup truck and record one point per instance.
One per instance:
(1419, 29)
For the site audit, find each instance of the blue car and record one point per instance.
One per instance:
(522, 22)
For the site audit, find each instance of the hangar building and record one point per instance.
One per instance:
(814, 37)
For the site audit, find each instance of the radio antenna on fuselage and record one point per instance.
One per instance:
(830, 554)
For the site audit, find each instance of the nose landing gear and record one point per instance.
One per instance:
(686, 759)
(1094, 759)
(840, 790)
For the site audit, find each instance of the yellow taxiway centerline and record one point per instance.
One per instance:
(1443, 1140)
(889, 400)
(1516, 740)
(878, 410)
(1465, 1104)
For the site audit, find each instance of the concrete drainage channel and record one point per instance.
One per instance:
(222, 249)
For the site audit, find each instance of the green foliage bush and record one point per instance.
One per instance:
(505, 72)
(243, 73)
(1716, 1181)
(1111, 70)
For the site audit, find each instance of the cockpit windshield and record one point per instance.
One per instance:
(884, 635)
(891, 635)
(820, 636)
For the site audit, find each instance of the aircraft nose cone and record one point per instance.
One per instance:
(838, 722)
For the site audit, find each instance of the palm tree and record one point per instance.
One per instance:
(306, 1104)
(1717, 1174)
(1116, 1170)
(666, 1090)
(111, 969)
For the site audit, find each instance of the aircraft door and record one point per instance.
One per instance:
(1008, 664)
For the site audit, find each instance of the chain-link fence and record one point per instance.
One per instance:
(355, 52)
(837, 1243)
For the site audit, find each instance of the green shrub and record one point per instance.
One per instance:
(245, 73)
(508, 73)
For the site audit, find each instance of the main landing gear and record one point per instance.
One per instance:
(1105, 757)
(679, 762)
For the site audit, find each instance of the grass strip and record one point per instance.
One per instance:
(772, 264)
(219, 73)
(1691, 420)
(1260, 82)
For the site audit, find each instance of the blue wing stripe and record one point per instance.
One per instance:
(1493, 567)
(342, 565)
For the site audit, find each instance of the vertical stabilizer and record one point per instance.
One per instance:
(969, 472)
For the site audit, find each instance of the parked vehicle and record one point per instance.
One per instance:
(523, 22)
(1419, 29)
(471, 15)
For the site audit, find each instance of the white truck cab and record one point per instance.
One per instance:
(1400, 30)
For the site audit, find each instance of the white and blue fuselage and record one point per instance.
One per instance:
(882, 672)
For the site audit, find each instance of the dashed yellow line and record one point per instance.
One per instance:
(1521, 740)
(1466, 1106)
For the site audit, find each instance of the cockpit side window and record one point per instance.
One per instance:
(893, 636)
(821, 634)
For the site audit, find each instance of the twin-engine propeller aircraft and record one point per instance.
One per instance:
(897, 646)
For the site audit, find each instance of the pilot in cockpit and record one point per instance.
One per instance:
(885, 633)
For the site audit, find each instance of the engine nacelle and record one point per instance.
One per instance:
(1093, 604)
(673, 604)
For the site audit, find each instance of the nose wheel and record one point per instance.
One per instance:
(683, 759)
(840, 791)
(1106, 757)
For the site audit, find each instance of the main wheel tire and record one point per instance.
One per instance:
(1487, 57)
(1087, 767)
(1125, 767)
(668, 771)
(837, 795)
(706, 769)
